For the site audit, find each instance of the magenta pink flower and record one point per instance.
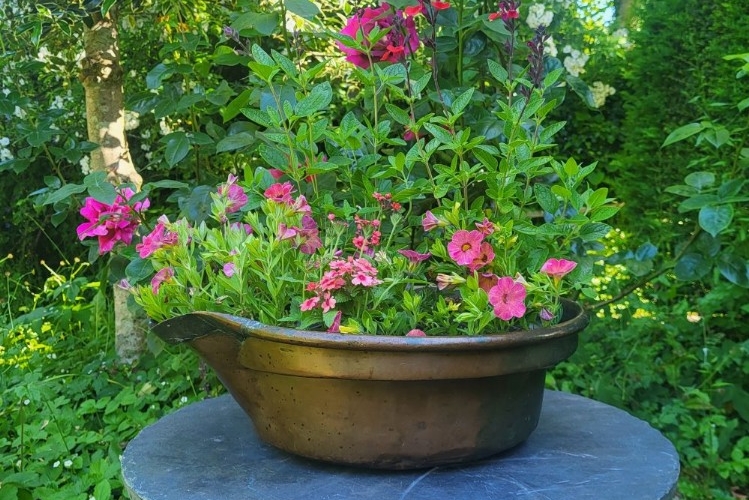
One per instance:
(163, 275)
(400, 41)
(413, 256)
(508, 299)
(486, 255)
(335, 326)
(280, 193)
(310, 303)
(486, 227)
(546, 315)
(158, 238)
(558, 268)
(465, 246)
(237, 226)
(416, 333)
(328, 302)
(229, 269)
(234, 193)
(111, 223)
(430, 222)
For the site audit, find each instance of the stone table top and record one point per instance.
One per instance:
(582, 449)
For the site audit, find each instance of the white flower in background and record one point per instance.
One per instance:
(6, 92)
(4, 141)
(538, 15)
(575, 62)
(43, 54)
(145, 147)
(20, 113)
(567, 49)
(5, 154)
(85, 164)
(57, 103)
(550, 49)
(164, 127)
(600, 92)
(132, 120)
(622, 37)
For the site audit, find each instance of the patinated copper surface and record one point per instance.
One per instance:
(380, 401)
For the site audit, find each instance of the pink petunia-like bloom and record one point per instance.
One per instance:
(430, 222)
(111, 223)
(234, 193)
(400, 41)
(558, 268)
(465, 246)
(310, 303)
(486, 255)
(413, 256)
(280, 193)
(163, 275)
(486, 227)
(546, 315)
(416, 333)
(158, 238)
(243, 226)
(328, 302)
(508, 299)
(229, 269)
(335, 326)
(487, 281)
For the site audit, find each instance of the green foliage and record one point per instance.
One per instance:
(66, 408)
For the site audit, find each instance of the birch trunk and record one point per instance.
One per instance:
(105, 117)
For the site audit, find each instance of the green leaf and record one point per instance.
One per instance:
(318, 98)
(681, 190)
(460, 102)
(546, 199)
(64, 192)
(439, 133)
(700, 180)
(682, 133)
(691, 266)
(302, 8)
(105, 6)
(177, 147)
(103, 491)
(581, 89)
(397, 114)
(234, 142)
(594, 231)
(235, 106)
(157, 75)
(262, 56)
(603, 213)
(699, 201)
(715, 219)
(734, 269)
(497, 70)
(646, 251)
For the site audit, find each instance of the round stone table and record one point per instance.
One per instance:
(582, 449)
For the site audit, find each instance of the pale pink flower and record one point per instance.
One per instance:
(413, 256)
(229, 269)
(486, 255)
(558, 268)
(364, 279)
(310, 303)
(486, 227)
(236, 226)
(234, 193)
(546, 315)
(508, 299)
(328, 302)
(163, 275)
(430, 221)
(465, 246)
(487, 281)
(416, 333)
(445, 280)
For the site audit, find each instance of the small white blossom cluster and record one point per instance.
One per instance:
(622, 38)
(600, 92)
(132, 120)
(550, 49)
(5, 153)
(574, 63)
(538, 15)
(85, 164)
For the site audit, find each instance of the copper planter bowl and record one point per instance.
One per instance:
(380, 401)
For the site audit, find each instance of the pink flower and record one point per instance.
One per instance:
(163, 275)
(486, 227)
(275, 173)
(328, 302)
(156, 239)
(111, 223)
(486, 255)
(400, 41)
(236, 226)
(229, 269)
(413, 256)
(465, 246)
(430, 222)
(546, 315)
(508, 299)
(234, 193)
(487, 281)
(558, 268)
(364, 279)
(310, 303)
(280, 193)
(416, 333)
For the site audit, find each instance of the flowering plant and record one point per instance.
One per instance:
(418, 209)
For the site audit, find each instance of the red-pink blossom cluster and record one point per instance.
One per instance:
(306, 237)
(386, 202)
(342, 272)
(367, 235)
(111, 223)
(468, 248)
(158, 238)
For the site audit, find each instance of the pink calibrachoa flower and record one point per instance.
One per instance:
(158, 238)
(310, 303)
(486, 227)
(430, 221)
(236, 226)
(487, 281)
(163, 275)
(229, 269)
(465, 246)
(445, 280)
(546, 315)
(486, 255)
(280, 193)
(335, 326)
(413, 256)
(508, 299)
(111, 223)
(328, 302)
(234, 193)
(558, 268)
(416, 333)
(400, 41)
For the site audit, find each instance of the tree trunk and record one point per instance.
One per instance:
(105, 116)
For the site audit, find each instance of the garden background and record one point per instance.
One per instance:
(659, 97)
